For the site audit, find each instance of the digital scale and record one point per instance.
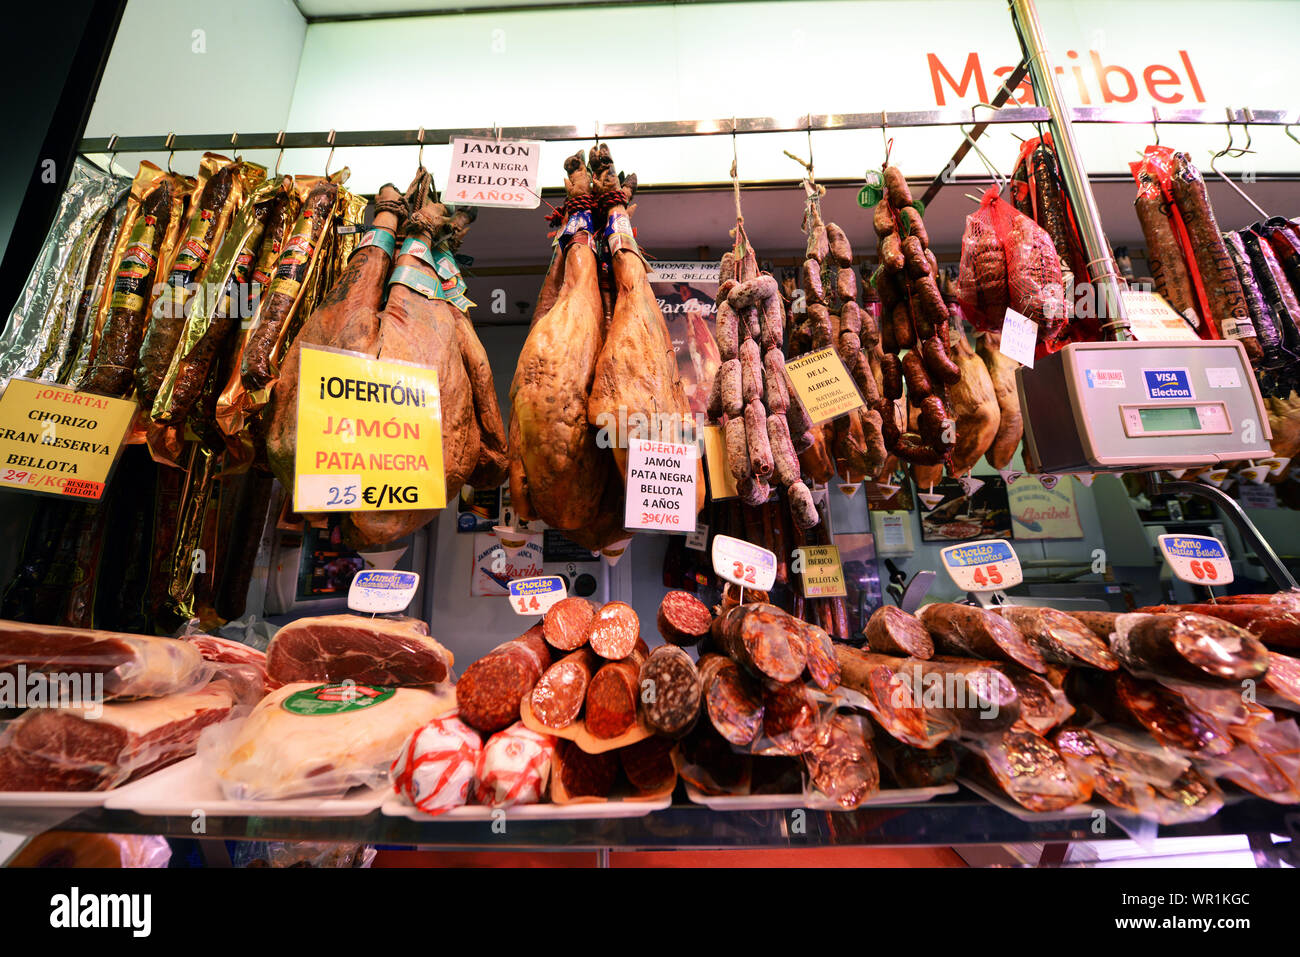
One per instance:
(1142, 405)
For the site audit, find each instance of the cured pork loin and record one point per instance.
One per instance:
(377, 651)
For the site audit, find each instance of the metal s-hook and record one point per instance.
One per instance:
(1155, 119)
(1291, 136)
(279, 141)
(171, 146)
(1235, 152)
(112, 151)
(234, 144)
(884, 137)
(419, 157)
(808, 121)
(998, 179)
(329, 159)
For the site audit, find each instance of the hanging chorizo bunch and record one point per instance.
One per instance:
(830, 288)
(763, 423)
(914, 330)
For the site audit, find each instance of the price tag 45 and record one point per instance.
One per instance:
(535, 596)
(1197, 559)
(989, 565)
(743, 563)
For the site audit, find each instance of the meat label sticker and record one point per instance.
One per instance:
(381, 592)
(339, 697)
(722, 484)
(1019, 338)
(1104, 378)
(59, 441)
(989, 565)
(1223, 378)
(823, 574)
(1152, 319)
(824, 385)
(369, 435)
(1197, 559)
(492, 172)
(661, 480)
(535, 596)
(743, 563)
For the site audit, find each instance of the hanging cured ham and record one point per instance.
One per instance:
(557, 471)
(636, 374)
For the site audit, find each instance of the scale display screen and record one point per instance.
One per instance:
(1172, 418)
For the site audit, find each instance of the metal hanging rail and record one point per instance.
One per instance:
(814, 122)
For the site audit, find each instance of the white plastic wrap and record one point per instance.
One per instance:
(514, 767)
(437, 766)
(318, 739)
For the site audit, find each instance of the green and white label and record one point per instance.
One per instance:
(341, 697)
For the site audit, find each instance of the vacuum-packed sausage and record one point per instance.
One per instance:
(734, 705)
(670, 691)
(892, 631)
(489, 692)
(969, 631)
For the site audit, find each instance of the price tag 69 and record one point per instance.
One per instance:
(989, 565)
(1197, 559)
(743, 563)
(535, 596)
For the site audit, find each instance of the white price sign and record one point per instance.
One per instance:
(1197, 559)
(743, 563)
(1019, 338)
(492, 172)
(381, 592)
(660, 486)
(535, 596)
(988, 565)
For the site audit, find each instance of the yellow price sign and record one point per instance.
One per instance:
(56, 440)
(369, 435)
(823, 575)
(824, 385)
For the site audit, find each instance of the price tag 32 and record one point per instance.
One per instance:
(989, 565)
(1197, 559)
(743, 563)
(535, 596)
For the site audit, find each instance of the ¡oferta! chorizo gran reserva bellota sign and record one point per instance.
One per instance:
(369, 435)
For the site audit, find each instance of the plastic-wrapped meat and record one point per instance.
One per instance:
(1026, 766)
(242, 666)
(791, 719)
(1170, 720)
(132, 666)
(979, 697)
(733, 704)
(436, 768)
(1283, 678)
(765, 640)
(894, 699)
(904, 766)
(514, 767)
(1266, 760)
(1100, 623)
(970, 631)
(1043, 705)
(1188, 647)
(711, 765)
(892, 631)
(94, 749)
(823, 666)
(1059, 638)
(379, 651)
(842, 763)
(1260, 313)
(1133, 772)
(1276, 623)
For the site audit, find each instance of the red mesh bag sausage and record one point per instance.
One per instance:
(683, 618)
(566, 623)
(614, 631)
(489, 692)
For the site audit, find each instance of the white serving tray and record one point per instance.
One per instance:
(397, 806)
(184, 788)
(818, 802)
(1002, 802)
(69, 800)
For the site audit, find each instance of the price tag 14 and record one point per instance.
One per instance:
(381, 592)
(535, 596)
(1197, 559)
(989, 565)
(743, 563)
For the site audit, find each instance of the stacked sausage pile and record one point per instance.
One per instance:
(833, 319)
(914, 346)
(763, 422)
(1144, 710)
